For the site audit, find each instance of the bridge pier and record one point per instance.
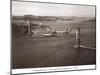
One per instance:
(77, 37)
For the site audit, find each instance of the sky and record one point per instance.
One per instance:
(48, 9)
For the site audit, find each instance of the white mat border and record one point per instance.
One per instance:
(53, 69)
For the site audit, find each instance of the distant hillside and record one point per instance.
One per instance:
(90, 20)
(43, 18)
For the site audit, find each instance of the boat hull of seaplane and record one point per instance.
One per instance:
(55, 33)
(49, 34)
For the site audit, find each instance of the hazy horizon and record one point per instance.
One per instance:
(47, 9)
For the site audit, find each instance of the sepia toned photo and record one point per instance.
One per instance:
(47, 34)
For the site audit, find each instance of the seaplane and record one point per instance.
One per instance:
(50, 34)
(55, 33)
(67, 31)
